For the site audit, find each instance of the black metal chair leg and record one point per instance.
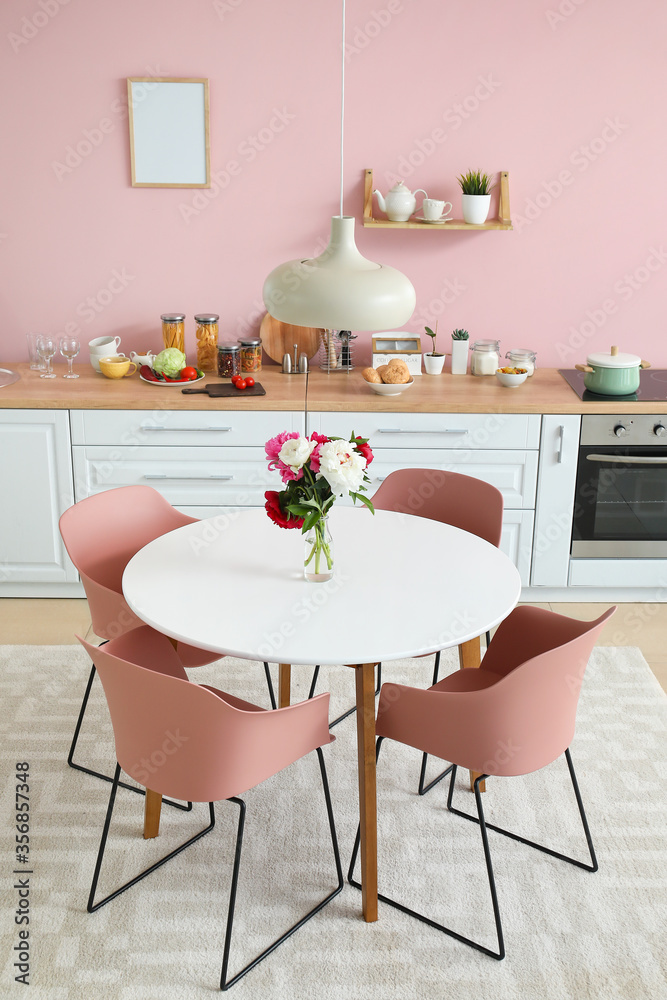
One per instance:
(225, 983)
(98, 774)
(269, 682)
(593, 867)
(423, 789)
(500, 954)
(340, 718)
(92, 906)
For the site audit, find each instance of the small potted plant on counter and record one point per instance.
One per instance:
(433, 362)
(459, 352)
(475, 196)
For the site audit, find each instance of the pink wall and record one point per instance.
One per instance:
(567, 95)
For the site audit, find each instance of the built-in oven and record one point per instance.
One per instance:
(620, 508)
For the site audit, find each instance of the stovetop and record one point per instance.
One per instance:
(652, 387)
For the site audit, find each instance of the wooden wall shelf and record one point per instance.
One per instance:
(502, 222)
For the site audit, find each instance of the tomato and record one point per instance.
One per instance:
(236, 378)
(250, 381)
(240, 383)
(189, 373)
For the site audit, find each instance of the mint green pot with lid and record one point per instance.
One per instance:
(612, 374)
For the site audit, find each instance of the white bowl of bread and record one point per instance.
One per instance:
(388, 380)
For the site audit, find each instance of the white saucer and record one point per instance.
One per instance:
(433, 222)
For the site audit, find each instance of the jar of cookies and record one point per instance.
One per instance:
(251, 355)
(207, 341)
(173, 330)
(229, 360)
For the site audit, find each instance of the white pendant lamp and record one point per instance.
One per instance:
(340, 289)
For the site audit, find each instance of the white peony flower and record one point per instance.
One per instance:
(296, 452)
(342, 467)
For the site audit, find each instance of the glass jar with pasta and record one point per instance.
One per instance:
(207, 341)
(251, 354)
(173, 330)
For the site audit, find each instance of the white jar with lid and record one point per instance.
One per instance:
(522, 357)
(485, 357)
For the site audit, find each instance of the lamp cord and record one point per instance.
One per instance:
(342, 111)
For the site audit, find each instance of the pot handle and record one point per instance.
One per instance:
(645, 364)
(584, 368)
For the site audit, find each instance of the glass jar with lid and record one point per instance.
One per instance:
(229, 360)
(485, 357)
(173, 330)
(251, 355)
(207, 341)
(522, 357)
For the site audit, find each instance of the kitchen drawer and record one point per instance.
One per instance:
(162, 427)
(514, 473)
(465, 431)
(185, 477)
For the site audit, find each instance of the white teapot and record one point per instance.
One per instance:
(400, 202)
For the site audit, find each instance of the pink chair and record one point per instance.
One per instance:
(101, 534)
(462, 501)
(512, 716)
(195, 742)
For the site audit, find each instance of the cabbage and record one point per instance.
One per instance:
(169, 362)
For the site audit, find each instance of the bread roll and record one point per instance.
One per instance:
(371, 375)
(394, 375)
(381, 369)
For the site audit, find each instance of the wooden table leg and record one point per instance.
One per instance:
(284, 684)
(470, 655)
(152, 809)
(365, 686)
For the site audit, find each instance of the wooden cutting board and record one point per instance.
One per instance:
(218, 389)
(279, 338)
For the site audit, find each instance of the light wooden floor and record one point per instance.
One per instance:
(52, 621)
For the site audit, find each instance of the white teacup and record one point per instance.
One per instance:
(432, 209)
(102, 347)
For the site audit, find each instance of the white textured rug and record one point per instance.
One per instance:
(568, 933)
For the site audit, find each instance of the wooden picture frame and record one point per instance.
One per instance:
(169, 132)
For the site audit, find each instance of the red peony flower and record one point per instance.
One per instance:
(281, 517)
(364, 449)
(315, 454)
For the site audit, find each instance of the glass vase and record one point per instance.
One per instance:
(318, 565)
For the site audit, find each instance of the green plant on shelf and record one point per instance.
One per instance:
(433, 335)
(475, 182)
(460, 335)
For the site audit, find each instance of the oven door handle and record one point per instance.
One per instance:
(626, 460)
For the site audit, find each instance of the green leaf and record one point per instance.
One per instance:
(310, 521)
(364, 500)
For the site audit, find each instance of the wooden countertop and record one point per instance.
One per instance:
(544, 392)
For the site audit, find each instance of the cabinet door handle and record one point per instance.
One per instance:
(398, 430)
(163, 475)
(561, 438)
(155, 429)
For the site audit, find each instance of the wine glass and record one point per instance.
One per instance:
(46, 348)
(69, 348)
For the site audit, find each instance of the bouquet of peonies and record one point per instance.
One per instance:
(315, 471)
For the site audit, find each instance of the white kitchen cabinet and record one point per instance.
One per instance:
(36, 462)
(556, 479)
(202, 462)
(499, 448)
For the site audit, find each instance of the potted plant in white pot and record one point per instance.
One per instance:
(475, 196)
(460, 352)
(433, 361)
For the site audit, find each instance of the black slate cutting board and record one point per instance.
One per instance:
(217, 389)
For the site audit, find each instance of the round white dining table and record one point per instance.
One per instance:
(403, 586)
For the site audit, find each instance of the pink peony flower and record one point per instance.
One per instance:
(315, 454)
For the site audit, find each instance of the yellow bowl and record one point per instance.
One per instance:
(117, 367)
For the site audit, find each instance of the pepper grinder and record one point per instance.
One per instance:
(287, 364)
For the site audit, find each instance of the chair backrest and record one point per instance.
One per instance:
(462, 501)
(101, 534)
(186, 741)
(513, 715)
